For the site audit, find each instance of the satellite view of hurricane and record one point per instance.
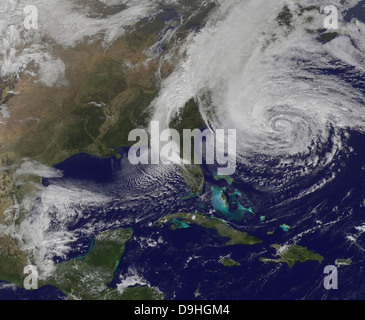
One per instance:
(104, 195)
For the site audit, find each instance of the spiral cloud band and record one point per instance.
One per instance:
(273, 81)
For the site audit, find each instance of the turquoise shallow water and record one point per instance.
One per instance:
(226, 209)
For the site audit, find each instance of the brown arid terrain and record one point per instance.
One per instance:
(105, 95)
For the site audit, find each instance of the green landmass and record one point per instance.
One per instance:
(106, 94)
(12, 261)
(292, 254)
(229, 262)
(328, 36)
(87, 277)
(307, 9)
(343, 262)
(307, 16)
(285, 18)
(193, 177)
(228, 179)
(190, 118)
(139, 293)
(103, 101)
(219, 225)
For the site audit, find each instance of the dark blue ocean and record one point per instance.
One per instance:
(185, 265)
